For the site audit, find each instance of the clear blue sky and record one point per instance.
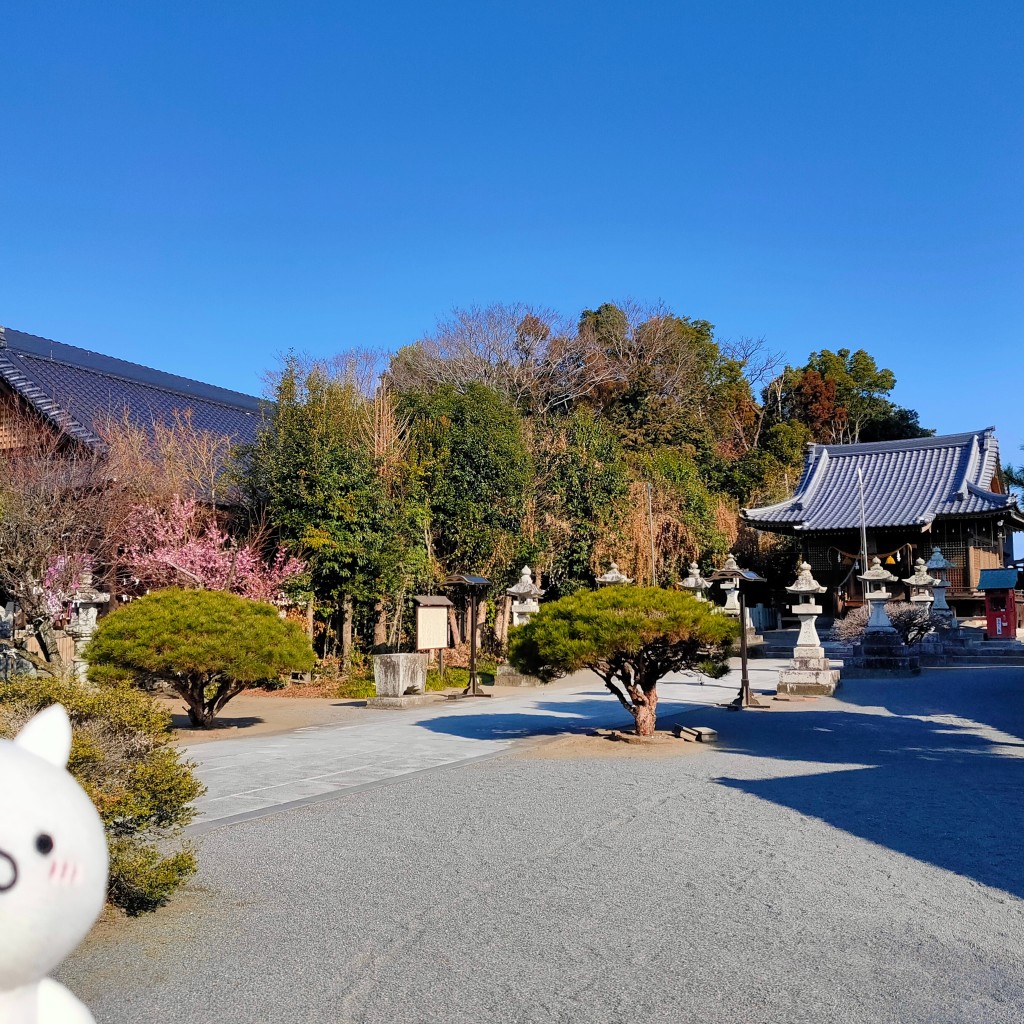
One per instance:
(199, 186)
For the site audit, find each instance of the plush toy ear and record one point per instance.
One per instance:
(47, 735)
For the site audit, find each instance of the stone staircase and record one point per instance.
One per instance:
(976, 650)
(778, 643)
(971, 648)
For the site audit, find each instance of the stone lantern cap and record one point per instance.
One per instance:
(920, 577)
(525, 588)
(939, 560)
(86, 593)
(877, 574)
(695, 581)
(805, 583)
(731, 571)
(613, 576)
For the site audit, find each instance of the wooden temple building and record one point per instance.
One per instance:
(916, 495)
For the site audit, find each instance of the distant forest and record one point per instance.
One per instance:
(511, 435)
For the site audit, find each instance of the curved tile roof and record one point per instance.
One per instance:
(906, 483)
(79, 391)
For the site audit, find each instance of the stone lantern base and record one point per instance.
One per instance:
(809, 674)
(883, 654)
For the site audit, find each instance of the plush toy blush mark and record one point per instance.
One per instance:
(53, 871)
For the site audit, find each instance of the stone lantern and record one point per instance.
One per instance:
(730, 577)
(86, 604)
(876, 595)
(810, 671)
(938, 566)
(883, 653)
(612, 576)
(525, 596)
(921, 586)
(731, 586)
(695, 584)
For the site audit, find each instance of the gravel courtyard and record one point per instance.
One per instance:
(855, 859)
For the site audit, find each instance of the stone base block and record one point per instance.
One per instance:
(410, 700)
(809, 665)
(695, 733)
(809, 653)
(883, 655)
(399, 675)
(507, 676)
(818, 682)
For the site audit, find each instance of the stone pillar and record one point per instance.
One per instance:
(732, 598)
(809, 672)
(86, 604)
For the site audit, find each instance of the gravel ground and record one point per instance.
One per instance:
(847, 860)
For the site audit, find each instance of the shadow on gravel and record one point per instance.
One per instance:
(560, 717)
(182, 721)
(942, 781)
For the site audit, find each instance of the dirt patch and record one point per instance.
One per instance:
(604, 744)
(258, 714)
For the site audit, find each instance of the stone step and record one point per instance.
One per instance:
(981, 659)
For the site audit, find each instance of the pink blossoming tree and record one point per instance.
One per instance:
(185, 546)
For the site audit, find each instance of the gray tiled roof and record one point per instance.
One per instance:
(906, 483)
(81, 390)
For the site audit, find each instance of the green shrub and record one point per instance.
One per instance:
(122, 755)
(630, 636)
(208, 645)
(713, 668)
(356, 688)
(459, 677)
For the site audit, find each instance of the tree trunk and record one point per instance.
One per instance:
(346, 633)
(194, 696)
(310, 613)
(380, 626)
(502, 620)
(48, 645)
(453, 621)
(646, 713)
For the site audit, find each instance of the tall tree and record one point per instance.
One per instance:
(582, 481)
(471, 451)
(843, 397)
(330, 471)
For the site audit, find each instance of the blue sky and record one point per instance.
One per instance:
(201, 186)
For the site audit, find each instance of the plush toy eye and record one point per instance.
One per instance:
(44, 843)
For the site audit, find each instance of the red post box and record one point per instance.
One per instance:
(1000, 603)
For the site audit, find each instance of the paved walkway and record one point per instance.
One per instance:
(253, 776)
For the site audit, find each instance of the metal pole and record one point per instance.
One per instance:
(744, 699)
(472, 643)
(744, 677)
(863, 523)
(473, 687)
(650, 523)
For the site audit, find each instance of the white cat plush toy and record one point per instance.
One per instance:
(53, 871)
